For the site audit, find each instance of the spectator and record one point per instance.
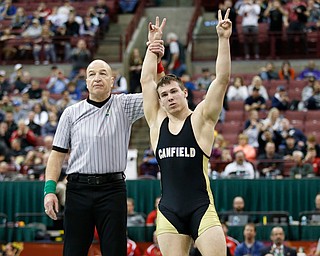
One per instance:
(80, 57)
(300, 169)
(250, 246)
(36, 128)
(16, 74)
(281, 100)
(46, 101)
(152, 216)
(50, 127)
(312, 142)
(120, 82)
(25, 134)
(43, 10)
(149, 165)
(313, 103)
(7, 104)
(63, 11)
(236, 217)
(5, 154)
(18, 112)
(174, 61)
(307, 92)
(257, 82)
(239, 168)
(311, 158)
(58, 84)
(277, 18)
(33, 30)
(134, 218)
(250, 12)
(310, 70)
(191, 87)
(286, 72)
(220, 150)
(252, 128)
(88, 28)
(11, 126)
(74, 92)
(268, 72)
(5, 87)
(103, 14)
(237, 91)
(7, 10)
(41, 115)
(273, 121)
(44, 42)
(297, 10)
(270, 163)
(290, 146)
(231, 242)
(26, 103)
(23, 84)
(249, 151)
(35, 91)
(17, 152)
(278, 247)
(255, 101)
(19, 21)
(72, 26)
(135, 66)
(93, 15)
(65, 101)
(204, 80)
(8, 51)
(80, 81)
(289, 130)
(228, 4)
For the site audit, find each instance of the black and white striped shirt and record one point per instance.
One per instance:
(98, 138)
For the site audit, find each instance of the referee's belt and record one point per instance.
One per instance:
(96, 179)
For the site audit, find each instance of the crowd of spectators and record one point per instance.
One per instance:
(29, 113)
(287, 22)
(48, 32)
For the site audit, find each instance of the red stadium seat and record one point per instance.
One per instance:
(236, 105)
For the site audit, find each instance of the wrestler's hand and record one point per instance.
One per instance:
(155, 31)
(157, 48)
(51, 205)
(224, 26)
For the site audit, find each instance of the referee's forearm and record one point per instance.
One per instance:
(54, 165)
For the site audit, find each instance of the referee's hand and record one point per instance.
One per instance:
(51, 205)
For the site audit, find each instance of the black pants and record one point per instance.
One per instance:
(103, 206)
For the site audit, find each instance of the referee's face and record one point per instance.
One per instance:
(99, 80)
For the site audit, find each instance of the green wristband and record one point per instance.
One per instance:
(50, 187)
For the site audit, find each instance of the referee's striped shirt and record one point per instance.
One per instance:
(98, 138)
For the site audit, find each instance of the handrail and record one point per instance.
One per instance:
(134, 22)
(197, 12)
(269, 43)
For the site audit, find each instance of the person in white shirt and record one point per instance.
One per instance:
(239, 168)
(237, 91)
(250, 12)
(257, 83)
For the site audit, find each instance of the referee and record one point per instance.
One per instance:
(96, 132)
